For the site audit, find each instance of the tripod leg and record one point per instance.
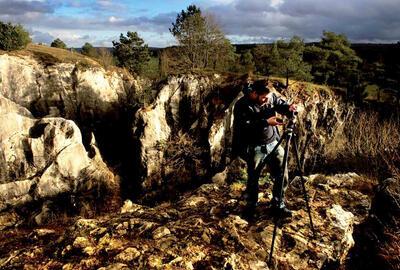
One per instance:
(303, 186)
(284, 171)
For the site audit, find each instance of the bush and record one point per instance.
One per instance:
(13, 37)
(370, 144)
(58, 43)
(105, 57)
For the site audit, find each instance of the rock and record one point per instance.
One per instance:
(195, 201)
(179, 103)
(343, 222)
(39, 233)
(58, 89)
(128, 255)
(130, 207)
(109, 243)
(115, 266)
(9, 219)
(387, 199)
(42, 159)
(160, 232)
(81, 243)
(44, 214)
(158, 238)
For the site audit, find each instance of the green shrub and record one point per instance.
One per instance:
(58, 43)
(13, 37)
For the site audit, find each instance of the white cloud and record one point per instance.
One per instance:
(276, 3)
(113, 19)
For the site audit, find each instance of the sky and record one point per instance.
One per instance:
(99, 22)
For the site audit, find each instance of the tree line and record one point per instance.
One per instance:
(203, 46)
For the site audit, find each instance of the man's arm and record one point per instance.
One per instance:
(281, 106)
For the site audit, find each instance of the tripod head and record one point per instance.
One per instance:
(292, 116)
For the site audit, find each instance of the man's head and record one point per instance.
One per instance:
(259, 91)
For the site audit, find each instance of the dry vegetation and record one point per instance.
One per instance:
(369, 144)
(51, 55)
(59, 55)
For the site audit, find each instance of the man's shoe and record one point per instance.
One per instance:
(249, 212)
(282, 212)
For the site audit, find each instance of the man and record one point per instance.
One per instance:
(255, 136)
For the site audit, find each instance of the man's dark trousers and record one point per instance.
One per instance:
(275, 162)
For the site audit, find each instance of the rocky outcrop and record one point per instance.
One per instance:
(99, 101)
(204, 230)
(41, 159)
(170, 133)
(72, 91)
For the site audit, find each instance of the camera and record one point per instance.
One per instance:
(292, 114)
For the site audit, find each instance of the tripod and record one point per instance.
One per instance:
(287, 136)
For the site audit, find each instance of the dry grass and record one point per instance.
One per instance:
(368, 144)
(390, 250)
(52, 55)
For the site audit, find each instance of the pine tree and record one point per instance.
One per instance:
(131, 52)
(287, 60)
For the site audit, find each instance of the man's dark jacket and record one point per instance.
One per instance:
(250, 126)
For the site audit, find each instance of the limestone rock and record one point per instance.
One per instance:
(178, 106)
(160, 232)
(128, 255)
(43, 158)
(61, 89)
(159, 238)
(130, 207)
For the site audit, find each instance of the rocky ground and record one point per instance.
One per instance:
(202, 230)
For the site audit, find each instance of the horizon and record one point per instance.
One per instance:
(99, 22)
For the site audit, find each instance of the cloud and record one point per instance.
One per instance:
(242, 20)
(41, 37)
(358, 19)
(19, 7)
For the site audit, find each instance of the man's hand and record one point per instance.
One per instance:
(293, 107)
(272, 121)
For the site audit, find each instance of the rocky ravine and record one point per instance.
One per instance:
(188, 126)
(203, 230)
(187, 130)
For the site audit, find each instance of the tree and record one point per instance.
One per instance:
(318, 59)
(262, 55)
(13, 37)
(287, 60)
(201, 41)
(180, 23)
(338, 63)
(246, 60)
(89, 50)
(58, 43)
(131, 52)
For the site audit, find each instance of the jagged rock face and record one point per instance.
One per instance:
(204, 230)
(67, 90)
(41, 159)
(169, 133)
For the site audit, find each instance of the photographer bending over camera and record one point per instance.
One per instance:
(255, 136)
